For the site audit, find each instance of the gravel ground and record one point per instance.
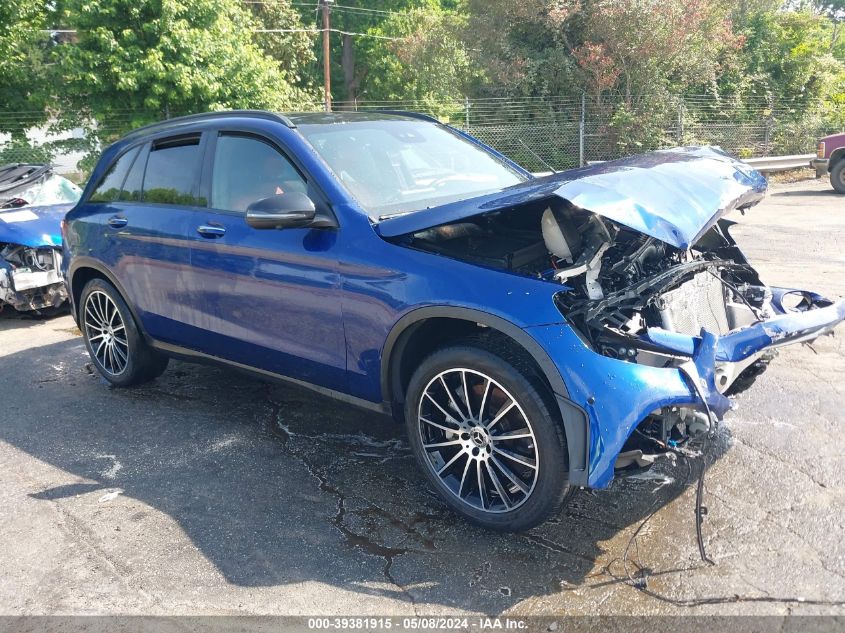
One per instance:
(208, 492)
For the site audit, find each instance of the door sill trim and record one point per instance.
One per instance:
(201, 357)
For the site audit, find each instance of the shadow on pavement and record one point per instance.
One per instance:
(805, 192)
(274, 485)
(11, 319)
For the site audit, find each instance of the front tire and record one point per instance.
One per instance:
(115, 345)
(488, 437)
(837, 175)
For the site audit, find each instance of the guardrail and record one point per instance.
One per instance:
(765, 164)
(768, 164)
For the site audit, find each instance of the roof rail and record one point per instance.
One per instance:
(411, 115)
(220, 114)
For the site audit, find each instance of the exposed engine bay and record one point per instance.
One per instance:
(619, 283)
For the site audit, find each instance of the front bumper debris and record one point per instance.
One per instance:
(25, 289)
(617, 394)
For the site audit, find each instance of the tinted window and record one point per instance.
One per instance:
(131, 191)
(172, 172)
(109, 187)
(246, 170)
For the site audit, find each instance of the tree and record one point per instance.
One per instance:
(137, 61)
(787, 56)
(353, 57)
(24, 44)
(427, 62)
(656, 47)
(617, 47)
(363, 42)
(288, 42)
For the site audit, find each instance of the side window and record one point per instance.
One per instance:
(131, 191)
(172, 172)
(246, 170)
(109, 188)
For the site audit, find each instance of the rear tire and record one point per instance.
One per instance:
(115, 345)
(488, 437)
(837, 175)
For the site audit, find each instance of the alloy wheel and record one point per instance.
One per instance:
(106, 333)
(478, 440)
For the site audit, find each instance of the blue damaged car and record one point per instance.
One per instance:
(533, 334)
(33, 201)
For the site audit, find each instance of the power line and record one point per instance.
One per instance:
(364, 9)
(302, 30)
(309, 5)
(341, 7)
(379, 37)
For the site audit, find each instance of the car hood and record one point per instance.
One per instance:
(33, 226)
(673, 195)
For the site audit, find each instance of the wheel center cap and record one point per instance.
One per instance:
(479, 437)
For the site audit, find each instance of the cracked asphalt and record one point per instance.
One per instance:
(208, 492)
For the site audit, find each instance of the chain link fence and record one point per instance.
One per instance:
(565, 132)
(539, 133)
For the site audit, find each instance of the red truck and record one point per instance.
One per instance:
(830, 158)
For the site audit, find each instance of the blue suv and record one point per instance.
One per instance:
(533, 334)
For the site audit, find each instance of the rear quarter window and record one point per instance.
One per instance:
(110, 186)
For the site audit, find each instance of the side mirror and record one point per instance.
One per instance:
(282, 211)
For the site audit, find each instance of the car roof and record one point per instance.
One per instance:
(289, 120)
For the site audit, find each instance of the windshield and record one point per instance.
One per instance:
(395, 167)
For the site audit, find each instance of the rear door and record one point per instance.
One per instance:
(147, 203)
(265, 298)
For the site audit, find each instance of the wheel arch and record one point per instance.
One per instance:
(837, 155)
(83, 270)
(413, 331)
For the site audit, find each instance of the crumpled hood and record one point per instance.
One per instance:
(673, 195)
(33, 226)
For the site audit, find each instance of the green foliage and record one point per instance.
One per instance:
(429, 64)
(606, 47)
(293, 51)
(633, 132)
(137, 61)
(787, 56)
(23, 49)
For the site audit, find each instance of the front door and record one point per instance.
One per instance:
(264, 298)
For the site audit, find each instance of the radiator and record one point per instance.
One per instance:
(695, 304)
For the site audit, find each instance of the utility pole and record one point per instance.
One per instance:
(327, 71)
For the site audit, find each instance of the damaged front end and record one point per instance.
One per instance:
(34, 202)
(665, 318)
(31, 278)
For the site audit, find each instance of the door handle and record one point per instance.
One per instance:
(117, 222)
(211, 231)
